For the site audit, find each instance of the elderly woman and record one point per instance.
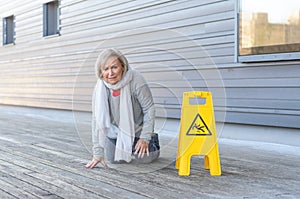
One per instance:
(123, 113)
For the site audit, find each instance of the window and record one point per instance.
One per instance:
(51, 19)
(268, 30)
(8, 30)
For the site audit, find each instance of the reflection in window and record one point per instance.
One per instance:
(8, 30)
(51, 18)
(267, 27)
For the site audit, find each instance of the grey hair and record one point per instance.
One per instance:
(103, 57)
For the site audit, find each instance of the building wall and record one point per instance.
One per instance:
(177, 45)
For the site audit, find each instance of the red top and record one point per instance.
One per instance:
(116, 93)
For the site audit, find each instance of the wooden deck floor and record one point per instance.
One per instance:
(42, 157)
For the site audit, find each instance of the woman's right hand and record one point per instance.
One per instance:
(94, 162)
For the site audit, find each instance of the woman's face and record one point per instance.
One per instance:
(112, 71)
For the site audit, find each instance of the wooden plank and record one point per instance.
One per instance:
(168, 176)
(19, 180)
(51, 147)
(65, 163)
(112, 178)
(14, 191)
(54, 187)
(42, 162)
(6, 195)
(57, 181)
(36, 157)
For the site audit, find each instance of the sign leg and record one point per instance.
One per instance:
(214, 161)
(184, 165)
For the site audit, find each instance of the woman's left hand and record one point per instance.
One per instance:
(95, 161)
(141, 148)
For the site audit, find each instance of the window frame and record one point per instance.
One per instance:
(280, 56)
(48, 29)
(6, 31)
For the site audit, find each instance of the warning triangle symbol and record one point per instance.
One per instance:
(198, 127)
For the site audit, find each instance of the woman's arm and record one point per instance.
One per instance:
(145, 100)
(98, 151)
(98, 148)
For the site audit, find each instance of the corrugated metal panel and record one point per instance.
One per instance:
(162, 40)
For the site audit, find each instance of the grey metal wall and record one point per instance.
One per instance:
(177, 45)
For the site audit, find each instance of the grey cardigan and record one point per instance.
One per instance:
(143, 110)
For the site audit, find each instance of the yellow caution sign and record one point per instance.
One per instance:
(197, 134)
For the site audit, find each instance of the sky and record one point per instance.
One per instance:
(279, 10)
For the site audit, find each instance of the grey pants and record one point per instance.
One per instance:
(110, 146)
